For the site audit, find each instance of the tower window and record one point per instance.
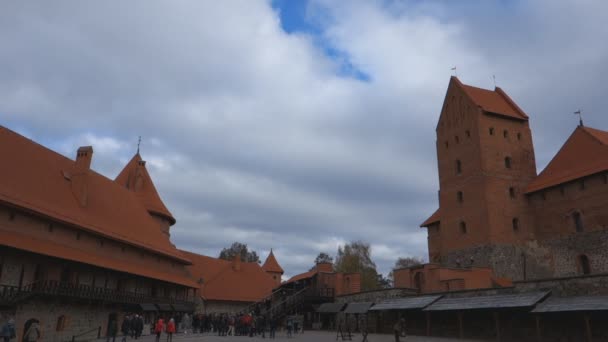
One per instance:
(460, 196)
(447, 144)
(458, 167)
(518, 136)
(505, 133)
(578, 221)
(463, 227)
(457, 139)
(515, 223)
(584, 264)
(508, 162)
(491, 130)
(468, 133)
(512, 192)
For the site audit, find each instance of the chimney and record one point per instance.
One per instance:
(80, 174)
(236, 263)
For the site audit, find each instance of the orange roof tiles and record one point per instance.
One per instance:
(271, 264)
(301, 276)
(584, 153)
(73, 253)
(143, 187)
(433, 219)
(38, 179)
(221, 282)
(496, 101)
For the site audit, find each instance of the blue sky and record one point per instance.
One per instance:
(286, 124)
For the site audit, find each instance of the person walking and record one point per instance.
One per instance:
(170, 330)
(124, 328)
(112, 330)
(399, 329)
(273, 327)
(289, 327)
(139, 326)
(159, 327)
(8, 330)
(33, 333)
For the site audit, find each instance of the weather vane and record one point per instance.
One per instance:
(580, 117)
(454, 70)
(138, 143)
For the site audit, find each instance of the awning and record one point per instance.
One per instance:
(516, 300)
(183, 307)
(407, 303)
(579, 303)
(164, 307)
(331, 307)
(358, 308)
(148, 307)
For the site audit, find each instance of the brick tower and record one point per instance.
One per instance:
(485, 159)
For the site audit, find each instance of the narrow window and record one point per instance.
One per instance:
(578, 221)
(584, 264)
(463, 227)
(458, 167)
(505, 133)
(447, 144)
(512, 192)
(457, 139)
(508, 162)
(518, 136)
(491, 130)
(468, 133)
(460, 196)
(515, 223)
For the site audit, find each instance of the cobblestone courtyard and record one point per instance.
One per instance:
(308, 336)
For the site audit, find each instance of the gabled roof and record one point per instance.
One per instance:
(220, 281)
(37, 179)
(584, 153)
(136, 178)
(493, 101)
(432, 219)
(271, 264)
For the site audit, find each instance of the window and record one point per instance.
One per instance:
(463, 227)
(458, 167)
(447, 144)
(460, 196)
(515, 223)
(491, 130)
(512, 192)
(578, 221)
(518, 136)
(584, 265)
(508, 162)
(61, 323)
(457, 139)
(468, 133)
(505, 134)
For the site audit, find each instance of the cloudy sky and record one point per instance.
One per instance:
(288, 124)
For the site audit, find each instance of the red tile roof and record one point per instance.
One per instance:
(493, 101)
(433, 219)
(37, 179)
(136, 178)
(271, 264)
(222, 282)
(73, 253)
(584, 153)
(301, 276)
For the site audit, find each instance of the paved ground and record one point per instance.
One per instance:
(308, 336)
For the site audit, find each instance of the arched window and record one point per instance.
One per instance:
(584, 265)
(460, 196)
(505, 133)
(508, 162)
(578, 221)
(458, 167)
(463, 227)
(515, 223)
(491, 130)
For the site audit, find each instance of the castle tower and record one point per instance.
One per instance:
(485, 159)
(136, 178)
(272, 267)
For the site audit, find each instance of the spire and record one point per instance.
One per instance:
(136, 178)
(138, 143)
(271, 264)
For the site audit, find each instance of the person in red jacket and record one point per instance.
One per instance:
(158, 328)
(170, 330)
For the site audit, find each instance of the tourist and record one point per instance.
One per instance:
(112, 330)
(8, 330)
(273, 327)
(289, 326)
(125, 327)
(33, 333)
(158, 328)
(139, 326)
(170, 330)
(399, 329)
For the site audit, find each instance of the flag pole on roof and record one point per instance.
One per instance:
(454, 70)
(138, 143)
(580, 117)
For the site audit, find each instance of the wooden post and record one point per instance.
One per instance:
(460, 330)
(497, 324)
(539, 337)
(588, 327)
(428, 323)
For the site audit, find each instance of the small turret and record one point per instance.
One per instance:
(272, 267)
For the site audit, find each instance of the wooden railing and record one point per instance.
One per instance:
(7, 292)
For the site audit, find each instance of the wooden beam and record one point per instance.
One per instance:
(497, 324)
(539, 337)
(460, 328)
(588, 327)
